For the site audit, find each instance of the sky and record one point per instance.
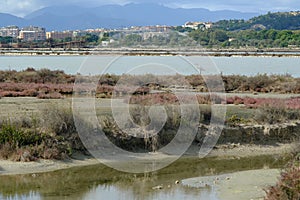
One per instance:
(23, 7)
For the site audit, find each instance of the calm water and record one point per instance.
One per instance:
(100, 182)
(156, 64)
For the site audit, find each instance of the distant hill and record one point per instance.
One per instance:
(277, 21)
(116, 16)
(7, 19)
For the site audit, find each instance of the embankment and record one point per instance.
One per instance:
(264, 134)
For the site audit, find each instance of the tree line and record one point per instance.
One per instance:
(247, 38)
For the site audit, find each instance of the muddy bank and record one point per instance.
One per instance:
(242, 137)
(243, 151)
(43, 165)
(253, 134)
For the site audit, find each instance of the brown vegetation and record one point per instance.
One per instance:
(55, 133)
(31, 82)
(288, 186)
(50, 136)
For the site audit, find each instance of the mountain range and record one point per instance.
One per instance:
(116, 16)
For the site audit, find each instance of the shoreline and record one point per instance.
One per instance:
(151, 52)
(42, 166)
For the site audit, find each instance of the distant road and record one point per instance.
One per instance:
(150, 52)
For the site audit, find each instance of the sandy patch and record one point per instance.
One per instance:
(10, 167)
(240, 185)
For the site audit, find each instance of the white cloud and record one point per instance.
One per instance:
(19, 8)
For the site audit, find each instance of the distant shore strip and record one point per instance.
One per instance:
(149, 52)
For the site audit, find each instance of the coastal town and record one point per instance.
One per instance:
(18, 35)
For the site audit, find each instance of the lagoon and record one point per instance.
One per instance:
(101, 182)
(250, 65)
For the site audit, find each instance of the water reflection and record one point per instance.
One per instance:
(174, 193)
(101, 182)
(31, 195)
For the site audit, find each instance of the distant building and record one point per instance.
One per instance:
(79, 33)
(208, 25)
(198, 25)
(295, 13)
(32, 33)
(107, 43)
(147, 35)
(59, 35)
(104, 43)
(9, 31)
(157, 28)
(97, 31)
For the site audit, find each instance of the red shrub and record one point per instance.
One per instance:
(288, 186)
(250, 102)
(152, 99)
(293, 103)
(54, 95)
(235, 100)
(29, 93)
(10, 94)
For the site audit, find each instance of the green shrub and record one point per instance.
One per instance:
(50, 136)
(18, 137)
(234, 120)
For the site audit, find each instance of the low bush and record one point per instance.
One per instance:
(235, 120)
(171, 99)
(18, 143)
(47, 81)
(276, 113)
(17, 137)
(144, 129)
(269, 110)
(52, 135)
(154, 99)
(54, 95)
(288, 186)
(58, 120)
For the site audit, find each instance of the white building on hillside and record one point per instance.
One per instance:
(9, 31)
(32, 33)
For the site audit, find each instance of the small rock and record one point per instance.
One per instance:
(177, 182)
